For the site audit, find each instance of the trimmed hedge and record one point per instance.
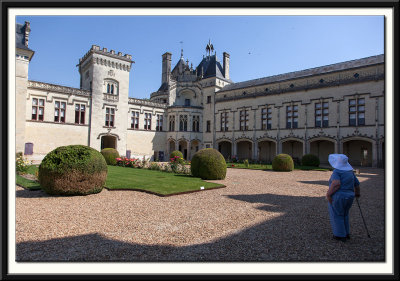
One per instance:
(177, 153)
(208, 164)
(110, 155)
(283, 162)
(310, 160)
(73, 170)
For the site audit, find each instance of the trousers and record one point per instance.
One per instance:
(339, 213)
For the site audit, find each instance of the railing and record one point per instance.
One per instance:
(110, 97)
(57, 88)
(146, 103)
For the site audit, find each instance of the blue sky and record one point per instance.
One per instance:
(259, 46)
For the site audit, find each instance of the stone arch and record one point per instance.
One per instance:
(266, 149)
(381, 161)
(322, 147)
(244, 148)
(361, 151)
(183, 145)
(195, 145)
(171, 145)
(294, 147)
(108, 140)
(225, 147)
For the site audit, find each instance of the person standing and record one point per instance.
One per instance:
(343, 187)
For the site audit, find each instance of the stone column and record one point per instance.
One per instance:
(279, 147)
(374, 155)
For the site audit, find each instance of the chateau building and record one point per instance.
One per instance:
(336, 108)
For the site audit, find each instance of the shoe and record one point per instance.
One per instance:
(348, 236)
(343, 239)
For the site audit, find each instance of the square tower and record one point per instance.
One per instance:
(106, 74)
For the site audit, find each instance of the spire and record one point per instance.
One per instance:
(209, 47)
(181, 53)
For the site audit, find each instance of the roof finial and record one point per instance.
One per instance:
(181, 49)
(209, 47)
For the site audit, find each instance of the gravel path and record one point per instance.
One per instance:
(259, 216)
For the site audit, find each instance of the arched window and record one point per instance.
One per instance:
(111, 86)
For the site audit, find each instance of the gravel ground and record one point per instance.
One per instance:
(259, 216)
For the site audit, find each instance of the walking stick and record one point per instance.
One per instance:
(363, 218)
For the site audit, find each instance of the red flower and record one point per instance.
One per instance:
(118, 159)
(233, 165)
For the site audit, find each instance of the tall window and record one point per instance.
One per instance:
(292, 116)
(266, 118)
(187, 102)
(159, 124)
(135, 120)
(80, 113)
(59, 111)
(269, 118)
(183, 123)
(208, 99)
(208, 126)
(172, 123)
(110, 116)
(322, 114)
(244, 120)
(195, 124)
(38, 109)
(224, 121)
(357, 112)
(147, 121)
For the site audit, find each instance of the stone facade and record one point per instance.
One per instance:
(337, 108)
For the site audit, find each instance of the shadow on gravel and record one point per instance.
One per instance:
(298, 230)
(26, 193)
(325, 183)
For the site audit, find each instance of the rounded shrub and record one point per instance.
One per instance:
(176, 153)
(283, 162)
(110, 155)
(208, 164)
(310, 160)
(73, 170)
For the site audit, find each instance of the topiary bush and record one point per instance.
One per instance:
(73, 170)
(310, 160)
(208, 164)
(176, 153)
(283, 162)
(110, 155)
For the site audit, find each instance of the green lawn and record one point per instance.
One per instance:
(153, 181)
(29, 184)
(269, 167)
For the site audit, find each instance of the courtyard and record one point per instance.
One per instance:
(259, 216)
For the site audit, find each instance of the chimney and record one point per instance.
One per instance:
(166, 67)
(226, 65)
(27, 31)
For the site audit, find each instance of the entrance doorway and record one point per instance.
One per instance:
(108, 142)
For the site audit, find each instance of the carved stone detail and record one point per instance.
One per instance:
(57, 88)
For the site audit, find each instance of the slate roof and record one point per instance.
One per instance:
(163, 87)
(181, 61)
(307, 72)
(20, 37)
(211, 68)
